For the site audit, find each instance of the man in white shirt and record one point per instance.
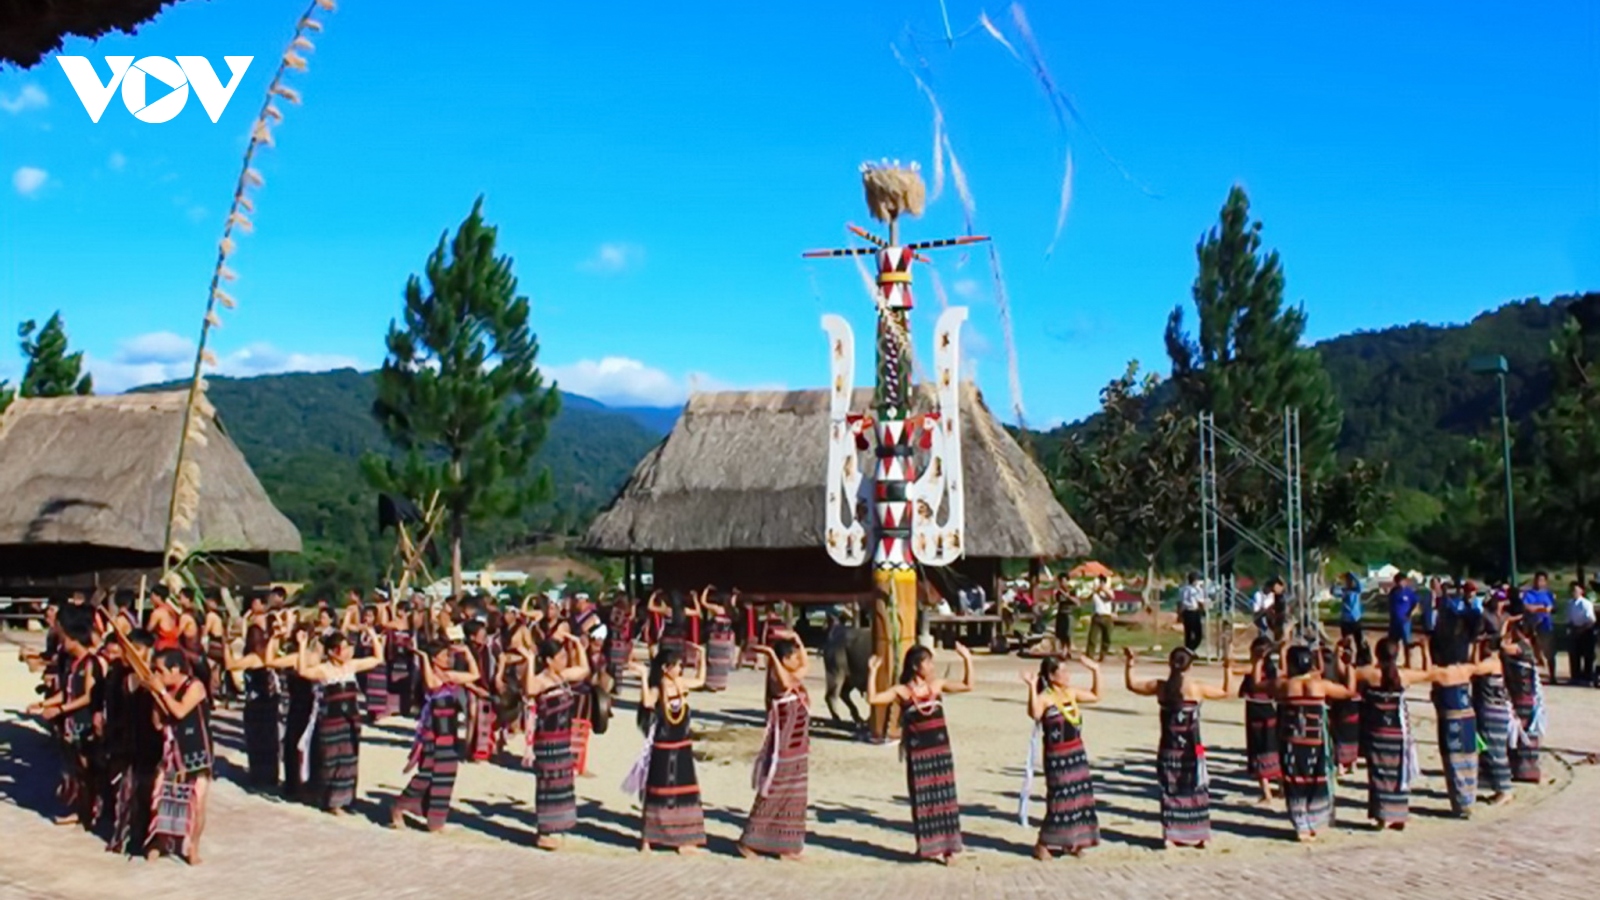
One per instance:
(1581, 635)
(1192, 610)
(1100, 623)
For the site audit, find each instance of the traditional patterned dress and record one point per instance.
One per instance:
(339, 743)
(140, 752)
(721, 652)
(401, 696)
(1344, 719)
(1458, 744)
(672, 813)
(1181, 770)
(930, 777)
(435, 756)
(186, 758)
(1307, 788)
(777, 823)
(481, 725)
(1522, 684)
(261, 739)
(1070, 824)
(1493, 707)
(555, 797)
(374, 682)
(75, 788)
(298, 765)
(1262, 750)
(1386, 730)
(619, 643)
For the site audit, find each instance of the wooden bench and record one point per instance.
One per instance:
(974, 631)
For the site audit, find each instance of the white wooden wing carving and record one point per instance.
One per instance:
(843, 533)
(939, 489)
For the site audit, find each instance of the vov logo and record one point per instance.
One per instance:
(135, 77)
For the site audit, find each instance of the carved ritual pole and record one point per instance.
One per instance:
(905, 526)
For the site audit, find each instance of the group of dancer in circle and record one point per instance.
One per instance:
(130, 701)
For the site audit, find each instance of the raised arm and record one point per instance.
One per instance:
(698, 680)
(965, 684)
(579, 669)
(176, 707)
(876, 697)
(1036, 703)
(1092, 695)
(373, 661)
(1145, 687)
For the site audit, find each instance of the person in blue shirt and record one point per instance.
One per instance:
(1350, 607)
(1402, 602)
(1538, 607)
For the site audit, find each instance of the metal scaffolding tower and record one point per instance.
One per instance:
(1281, 538)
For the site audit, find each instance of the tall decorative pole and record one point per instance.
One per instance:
(912, 517)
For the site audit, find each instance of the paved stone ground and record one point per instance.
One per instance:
(257, 847)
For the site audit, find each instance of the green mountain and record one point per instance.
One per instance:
(305, 433)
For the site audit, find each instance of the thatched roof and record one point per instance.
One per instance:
(31, 28)
(744, 470)
(98, 471)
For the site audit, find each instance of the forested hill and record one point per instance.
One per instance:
(305, 433)
(1410, 399)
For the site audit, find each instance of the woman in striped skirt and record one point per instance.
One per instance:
(721, 649)
(777, 823)
(619, 639)
(1344, 716)
(664, 775)
(374, 681)
(1458, 727)
(436, 753)
(338, 725)
(1492, 705)
(1181, 757)
(1521, 668)
(925, 743)
(1070, 825)
(261, 739)
(1308, 767)
(1386, 736)
(1262, 752)
(559, 664)
(184, 778)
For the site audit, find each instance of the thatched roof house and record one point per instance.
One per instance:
(85, 484)
(29, 29)
(734, 496)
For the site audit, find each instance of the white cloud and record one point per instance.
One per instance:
(28, 180)
(164, 356)
(621, 381)
(117, 162)
(966, 288)
(611, 258)
(30, 97)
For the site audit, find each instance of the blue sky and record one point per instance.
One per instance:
(657, 169)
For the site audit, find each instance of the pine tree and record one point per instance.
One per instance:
(1245, 363)
(1562, 511)
(52, 371)
(460, 395)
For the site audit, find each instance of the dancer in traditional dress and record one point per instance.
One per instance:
(664, 775)
(70, 709)
(1263, 754)
(261, 739)
(185, 775)
(302, 697)
(338, 725)
(136, 750)
(1344, 715)
(560, 663)
(619, 638)
(1181, 757)
(374, 682)
(1386, 737)
(777, 823)
(1458, 727)
(214, 633)
(721, 649)
(1519, 659)
(925, 744)
(436, 753)
(1308, 767)
(1492, 706)
(1070, 824)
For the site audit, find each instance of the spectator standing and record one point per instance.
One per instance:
(1100, 623)
(1402, 603)
(1066, 602)
(1192, 609)
(1581, 635)
(1539, 606)
(1350, 609)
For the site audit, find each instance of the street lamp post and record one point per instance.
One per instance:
(1496, 366)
